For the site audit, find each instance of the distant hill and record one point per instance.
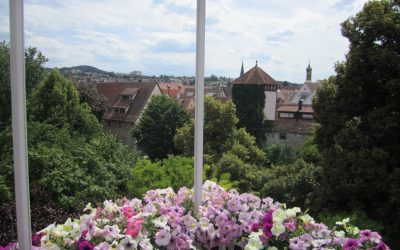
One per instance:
(80, 69)
(288, 84)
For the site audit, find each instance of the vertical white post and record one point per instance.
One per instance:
(199, 108)
(21, 174)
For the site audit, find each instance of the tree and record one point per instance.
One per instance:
(174, 171)
(220, 134)
(56, 101)
(34, 74)
(293, 184)
(96, 101)
(232, 153)
(359, 113)
(155, 131)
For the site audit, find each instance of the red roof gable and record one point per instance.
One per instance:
(255, 76)
(112, 91)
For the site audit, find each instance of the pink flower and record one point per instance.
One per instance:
(128, 212)
(163, 237)
(133, 228)
(291, 226)
(254, 227)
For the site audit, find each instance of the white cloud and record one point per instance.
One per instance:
(159, 35)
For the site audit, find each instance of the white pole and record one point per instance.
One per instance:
(21, 176)
(199, 108)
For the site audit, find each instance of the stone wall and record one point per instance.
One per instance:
(290, 139)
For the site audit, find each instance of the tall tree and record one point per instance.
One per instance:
(359, 113)
(56, 101)
(96, 101)
(157, 126)
(34, 74)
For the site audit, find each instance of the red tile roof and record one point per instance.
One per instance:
(294, 107)
(170, 89)
(129, 91)
(293, 126)
(112, 91)
(255, 76)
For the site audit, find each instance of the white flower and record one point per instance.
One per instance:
(163, 237)
(254, 242)
(291, 212)
(277, 229)
(343, 222)
(88, 207)
(128, 243)
(146, 245)
(339, 234)
(103, 246)
(161, 221)
(278, 216)
(190, 223)
(307, 219)
(110, 208)
(204, 223)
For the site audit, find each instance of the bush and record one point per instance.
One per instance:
(175, 172)
(357, 217)
(43, 212)
(293, 184)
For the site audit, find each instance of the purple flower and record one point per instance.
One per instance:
(36, 239)
(291, 226)
(85, 245)
(163, 237)
(351, 244)
(382, 246)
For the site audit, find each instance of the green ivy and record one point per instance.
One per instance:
(250, 102)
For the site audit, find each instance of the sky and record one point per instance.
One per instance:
(158, 36)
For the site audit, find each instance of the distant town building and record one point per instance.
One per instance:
(126, 102)
(136, 73)
(257, 76)
(294, 115)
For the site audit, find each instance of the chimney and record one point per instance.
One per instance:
(297, 114)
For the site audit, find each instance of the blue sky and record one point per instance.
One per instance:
(158, 36)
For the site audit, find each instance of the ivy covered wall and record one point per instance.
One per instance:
(250, 101)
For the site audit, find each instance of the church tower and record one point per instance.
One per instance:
(242, 70)
(309, 73)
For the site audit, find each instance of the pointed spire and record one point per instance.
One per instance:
(256, 63)
(242, 70)
(309, 72)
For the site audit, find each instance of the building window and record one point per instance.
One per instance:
(308, 116)
(109, 123)
(119, 124)
(282, 136)
(125, 97)
(119, 110)
(286, 115)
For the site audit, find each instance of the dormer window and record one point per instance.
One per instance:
(128, 94)
(126, 97)
(120, 110)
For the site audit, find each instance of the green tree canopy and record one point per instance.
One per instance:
(220, 134)
(34, 74)
(157, 126)
(359, 113)
(96, 101)
(174, 171)
(56, 101)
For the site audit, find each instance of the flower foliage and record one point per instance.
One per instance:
(164, 220)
